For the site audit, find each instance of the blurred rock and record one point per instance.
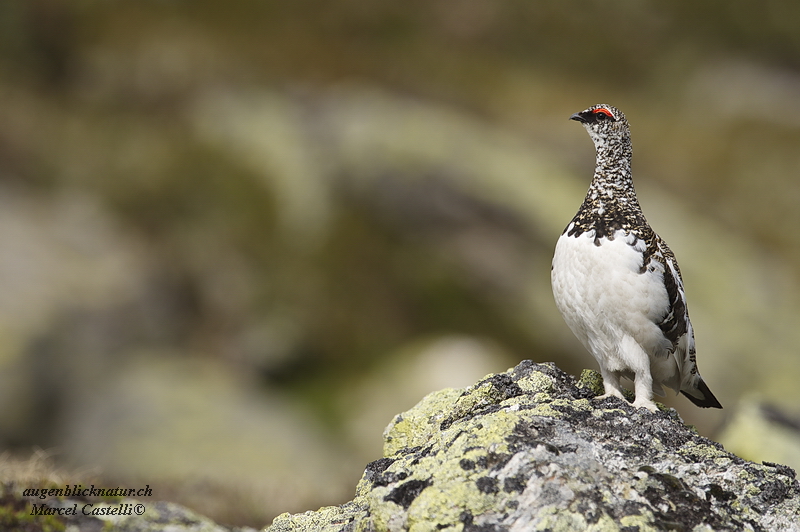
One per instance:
(39, 474)
(158, 516)
(737, 89)
(413, 372)
(763, 431)
(201, 436)
(529, 449)
(57, 254)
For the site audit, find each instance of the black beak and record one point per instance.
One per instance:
(579, 117)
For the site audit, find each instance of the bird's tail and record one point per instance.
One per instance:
(700, 394)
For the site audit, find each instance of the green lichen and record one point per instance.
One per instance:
(703, 451)
(536, 383)
(15, 511)
(581, 404)
(606, 524)
(493, 431)
(644, 522)
(16, 517)
(657, 444)
(482, 394)
(722, 461)
(542, 397)
(416, 426)
(746, 476)
(592, 380)
(326, 519)
(751, 490)
(560, 520)
(445, 504)
(557, 520)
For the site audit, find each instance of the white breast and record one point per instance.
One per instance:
(607, 301)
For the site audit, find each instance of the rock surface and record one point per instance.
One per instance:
(529, 449)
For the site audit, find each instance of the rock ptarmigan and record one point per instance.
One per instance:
(618, 285)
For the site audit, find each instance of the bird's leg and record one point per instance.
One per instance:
(610, 384)
(643, 386)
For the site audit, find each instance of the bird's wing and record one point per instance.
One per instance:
(675, 324)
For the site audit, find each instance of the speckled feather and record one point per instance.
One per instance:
(617, 283)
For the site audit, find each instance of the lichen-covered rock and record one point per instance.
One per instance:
(529, 449)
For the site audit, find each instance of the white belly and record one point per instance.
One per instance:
(609, 304)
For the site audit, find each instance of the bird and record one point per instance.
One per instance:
(617, 284)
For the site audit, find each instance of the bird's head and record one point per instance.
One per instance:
(605, 123)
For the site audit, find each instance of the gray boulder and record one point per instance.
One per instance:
(529, 449)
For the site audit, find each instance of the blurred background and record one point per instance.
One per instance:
(236, 238)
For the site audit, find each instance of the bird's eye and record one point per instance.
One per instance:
(602, 113)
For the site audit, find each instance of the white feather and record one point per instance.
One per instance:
(613, 307)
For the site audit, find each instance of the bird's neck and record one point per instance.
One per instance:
(610, 204)
(612, 181)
